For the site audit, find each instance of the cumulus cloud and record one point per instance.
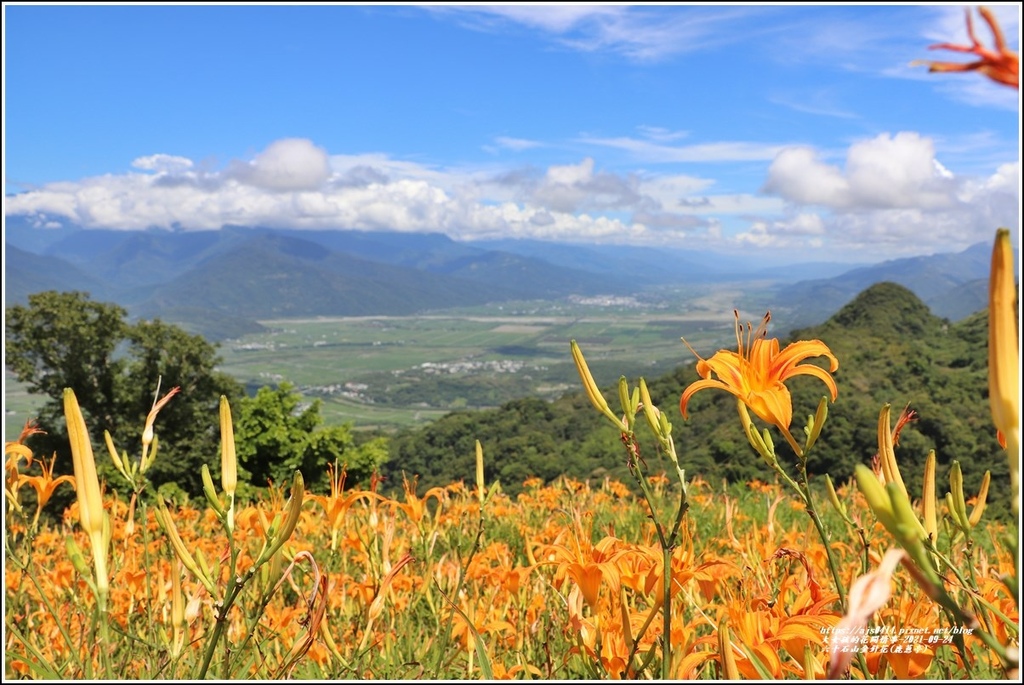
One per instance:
(886, 172)
(891, 198)
(890, 194)
(163, 163)
(295, 184)
(288, 164)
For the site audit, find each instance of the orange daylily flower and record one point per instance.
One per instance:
(757, 372)
(1002, 65)
(44, 485)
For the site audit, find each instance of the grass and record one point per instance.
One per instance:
(748, 557)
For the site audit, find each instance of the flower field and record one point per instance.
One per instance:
(672, 577)
(562, 582)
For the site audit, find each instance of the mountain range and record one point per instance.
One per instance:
(222, 282)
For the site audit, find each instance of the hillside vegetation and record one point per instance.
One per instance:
(890, 347)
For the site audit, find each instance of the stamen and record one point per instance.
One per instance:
(762, 330)
(739, 332)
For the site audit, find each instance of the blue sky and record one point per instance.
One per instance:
(802, 132)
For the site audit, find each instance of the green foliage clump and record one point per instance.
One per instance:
(276, 436)
(891, 349)
(65, 340)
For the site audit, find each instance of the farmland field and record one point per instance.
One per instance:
(392, 371)
(384, 372)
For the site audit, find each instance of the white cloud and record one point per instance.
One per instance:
(163, 163)
(725, 151)
(633, 32)
(287, 164)
(516, 144)
(884, 172)
(891, 196)
(551, 18)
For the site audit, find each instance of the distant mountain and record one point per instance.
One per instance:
(660, 265)
(26, 273)
(198, 278)
(272, 276)
(531, 277)
(949, 280)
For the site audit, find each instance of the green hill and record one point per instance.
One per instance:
(891, 349)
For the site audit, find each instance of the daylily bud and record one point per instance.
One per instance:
(211, 492)
(177, 608)
(1004, 355)
(815, 424)
(954, 513)
(768, 442)
(911, 532)
(90, 501)
(163, 517)
(928, 497)
(726, 658)
(956, 489)
(228, 460)
(651, 412)
(876, 496)
(753, 437)
(886, 454)
(624, 397)
(204, 565)
(833, 497)
(596, 398)
(276, 539)
(76, 557)
(979, 506)
(114, 456)
(480, 472)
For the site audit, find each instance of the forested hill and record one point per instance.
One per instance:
(891, 349)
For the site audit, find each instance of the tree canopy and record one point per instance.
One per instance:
(65, 340)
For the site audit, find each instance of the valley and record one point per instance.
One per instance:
(384, 372)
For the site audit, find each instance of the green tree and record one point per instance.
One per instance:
(65, 340)
(275, 436)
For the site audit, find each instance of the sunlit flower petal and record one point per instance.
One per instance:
(757, 375)
(1002, 65)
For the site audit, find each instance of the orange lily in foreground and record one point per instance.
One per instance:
(757, 372)
(1002, 65)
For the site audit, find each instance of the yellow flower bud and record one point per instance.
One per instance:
(163, 517)
(87, 485)
(480, 472)
(1004, 356)
(593, 392)
(726, 658)
(228, 460)
(956, 489)
(979, 506)
(815, 423)
(886, 454)
(877, 497)
(928, 497)
(833, 497)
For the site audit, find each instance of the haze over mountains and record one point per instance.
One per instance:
(220, 283)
